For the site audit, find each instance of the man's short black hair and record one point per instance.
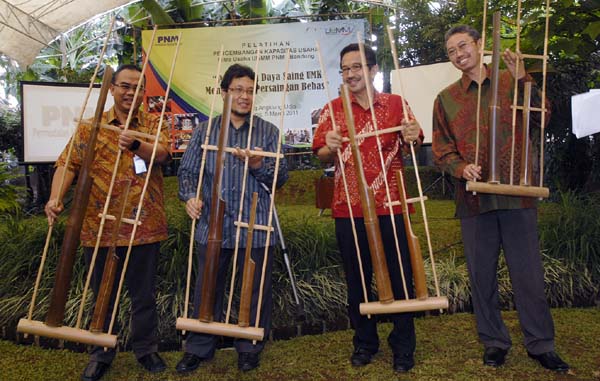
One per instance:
(236, 71)
(474, 33)
(124, 67)
(369, 53)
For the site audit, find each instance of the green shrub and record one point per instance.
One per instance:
(572, 232)
(9, 192)
(314, 258)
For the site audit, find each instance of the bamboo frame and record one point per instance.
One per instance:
(148, 174)
(239, 224)
(107, 340)
(226, 328)
(365, 72)
(408, 304)
(55, 328)
(511, 189)
(199, 189)
(62, 179)
(106, 205)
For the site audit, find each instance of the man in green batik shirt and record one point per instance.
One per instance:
(488, 221)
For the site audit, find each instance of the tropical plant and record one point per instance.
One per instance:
(10, 193)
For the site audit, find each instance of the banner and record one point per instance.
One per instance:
(193, 85)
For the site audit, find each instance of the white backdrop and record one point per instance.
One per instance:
(420, 85)
(49, 111)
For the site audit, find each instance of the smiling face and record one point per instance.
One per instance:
(123, 90)
(353, 73)
(463, 52)
(241, 89)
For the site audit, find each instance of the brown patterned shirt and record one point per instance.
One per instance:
(454, 139)
(153, 219)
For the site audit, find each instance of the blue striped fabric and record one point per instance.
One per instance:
(264, 135)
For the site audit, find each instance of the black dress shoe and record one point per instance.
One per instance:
(152, 363)
(247, 361)
(94, 371)
(550, 360)
(494, 356)
(189, 363)
(361, 357)
(403, 362)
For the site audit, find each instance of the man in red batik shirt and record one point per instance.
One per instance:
(326, 144)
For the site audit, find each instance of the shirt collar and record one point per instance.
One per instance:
(244, 126)
(466, 81)
(111, 117)
(377, 98)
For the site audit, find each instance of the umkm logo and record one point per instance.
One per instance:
(343, 30)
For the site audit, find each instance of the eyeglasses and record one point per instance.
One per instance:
(238, 91)
(125, 87)
(353, 68)
(462, 46)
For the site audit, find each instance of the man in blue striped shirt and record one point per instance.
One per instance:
(238, 81)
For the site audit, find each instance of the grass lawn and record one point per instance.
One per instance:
(447, 349)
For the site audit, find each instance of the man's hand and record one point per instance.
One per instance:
(411, 131)
(472, 172)
(125, 140)
(193, 208)
(254, 161)
(333, 141)
(52, 209)
(510, 59)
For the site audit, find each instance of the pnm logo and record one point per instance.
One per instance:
(167, 40)
(343, 30)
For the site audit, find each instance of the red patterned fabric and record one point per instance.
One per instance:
(388, 113)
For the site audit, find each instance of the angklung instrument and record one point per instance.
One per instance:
(386, 302)
(53, 326)
(493, 184)
(207, 322)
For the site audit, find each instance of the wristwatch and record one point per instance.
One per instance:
(135, 145)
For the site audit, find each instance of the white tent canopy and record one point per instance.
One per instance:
(26, 26)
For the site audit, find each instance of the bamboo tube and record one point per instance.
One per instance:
(367, 201)
(215, 223)
(414, 248)
(525, 176)
(199, 189)
(111, 265)
(249, 268)
(62, 179)
(494, 108)
(64, 268)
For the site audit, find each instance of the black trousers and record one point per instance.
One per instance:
(515, 231)
(204, 345)
(140, 281)
(402, 339)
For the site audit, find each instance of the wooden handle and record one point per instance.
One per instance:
(111, 265)
(249, 268)
(64, 268)
(369, 209)
(215, 222)
(414, 248)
